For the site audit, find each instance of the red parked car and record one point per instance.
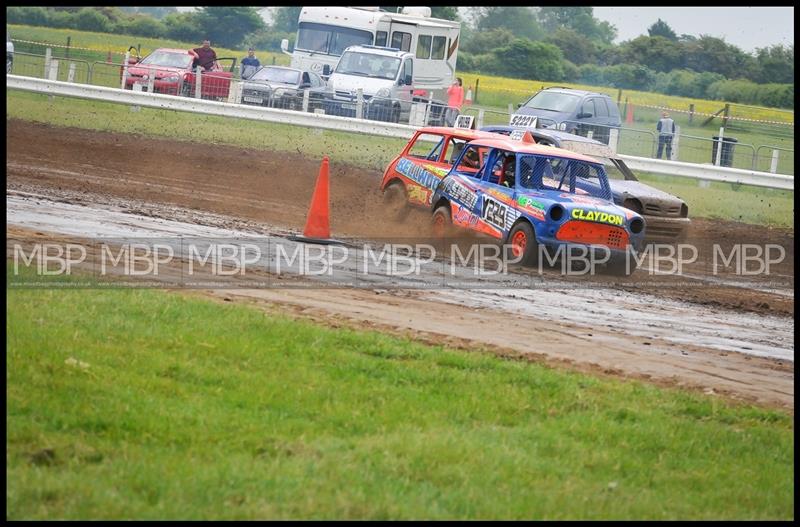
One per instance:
(173, 73)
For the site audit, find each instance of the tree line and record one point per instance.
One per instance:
(554, 44)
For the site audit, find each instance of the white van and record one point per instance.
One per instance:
(385, 77)
(325, 32)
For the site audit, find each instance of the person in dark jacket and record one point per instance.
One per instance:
(666, 130)
(250, 64)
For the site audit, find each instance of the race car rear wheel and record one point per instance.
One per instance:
(395, 201)
(442, 223)
(522, 244)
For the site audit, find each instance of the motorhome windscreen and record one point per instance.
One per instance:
(332, 40)
(368, 65)
(540, 172)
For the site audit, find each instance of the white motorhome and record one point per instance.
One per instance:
(325, 32)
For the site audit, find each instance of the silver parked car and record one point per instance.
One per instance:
(666, 216)
(281, 87)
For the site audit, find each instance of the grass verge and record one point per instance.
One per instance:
(146, 404)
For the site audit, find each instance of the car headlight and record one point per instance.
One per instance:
(280, 92)
(383, 93)
(562, 126)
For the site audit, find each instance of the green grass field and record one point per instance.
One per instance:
(147, 404)
(746, 204)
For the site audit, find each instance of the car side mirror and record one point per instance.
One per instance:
(326, 69)
(584, 115)
(519, 105)
(285, 45)
(408, 81)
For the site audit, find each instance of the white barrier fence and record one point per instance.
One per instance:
(345, 124)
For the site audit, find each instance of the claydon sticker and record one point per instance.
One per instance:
(596, 215)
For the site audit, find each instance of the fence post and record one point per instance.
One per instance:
(725, 116)
(52, 74)
(306, 95)
(510, 109)
(480, 118)
(151, 82)
(198, 82)
(676, 139)
(125, 69)
(235, 91)
(71, 74)
(719, 146)
(48, 55)
(69, 40)
(691, 112)
(773, 166)
(613, 139)
(589, 134)
(360, 103)
(475, 95)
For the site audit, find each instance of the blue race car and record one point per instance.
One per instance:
(528, 195)
(667, 216)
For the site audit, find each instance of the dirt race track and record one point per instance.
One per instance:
(268, 192)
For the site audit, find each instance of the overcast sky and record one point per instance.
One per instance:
(746, 27)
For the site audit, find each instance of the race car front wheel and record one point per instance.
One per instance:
(441, 222)
(522, 244)
(621, 264)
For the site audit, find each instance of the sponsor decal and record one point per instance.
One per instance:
(494, 212)
(417, 174)
(499, 194)
(418, 194)
(464, 217)
(439, 171)
(597, 216)
(460, 192)
(532, 207)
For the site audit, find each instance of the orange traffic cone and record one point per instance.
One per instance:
(318, 228)
(629, 117)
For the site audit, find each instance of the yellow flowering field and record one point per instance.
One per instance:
(499, 91)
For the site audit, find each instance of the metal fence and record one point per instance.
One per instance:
(228, 86)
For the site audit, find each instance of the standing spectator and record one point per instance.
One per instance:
(455, 94)
(666, 129)
(204, 56)
(250, 64)
(455, 99)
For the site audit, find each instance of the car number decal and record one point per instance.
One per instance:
(494, 212)
(523, 120)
